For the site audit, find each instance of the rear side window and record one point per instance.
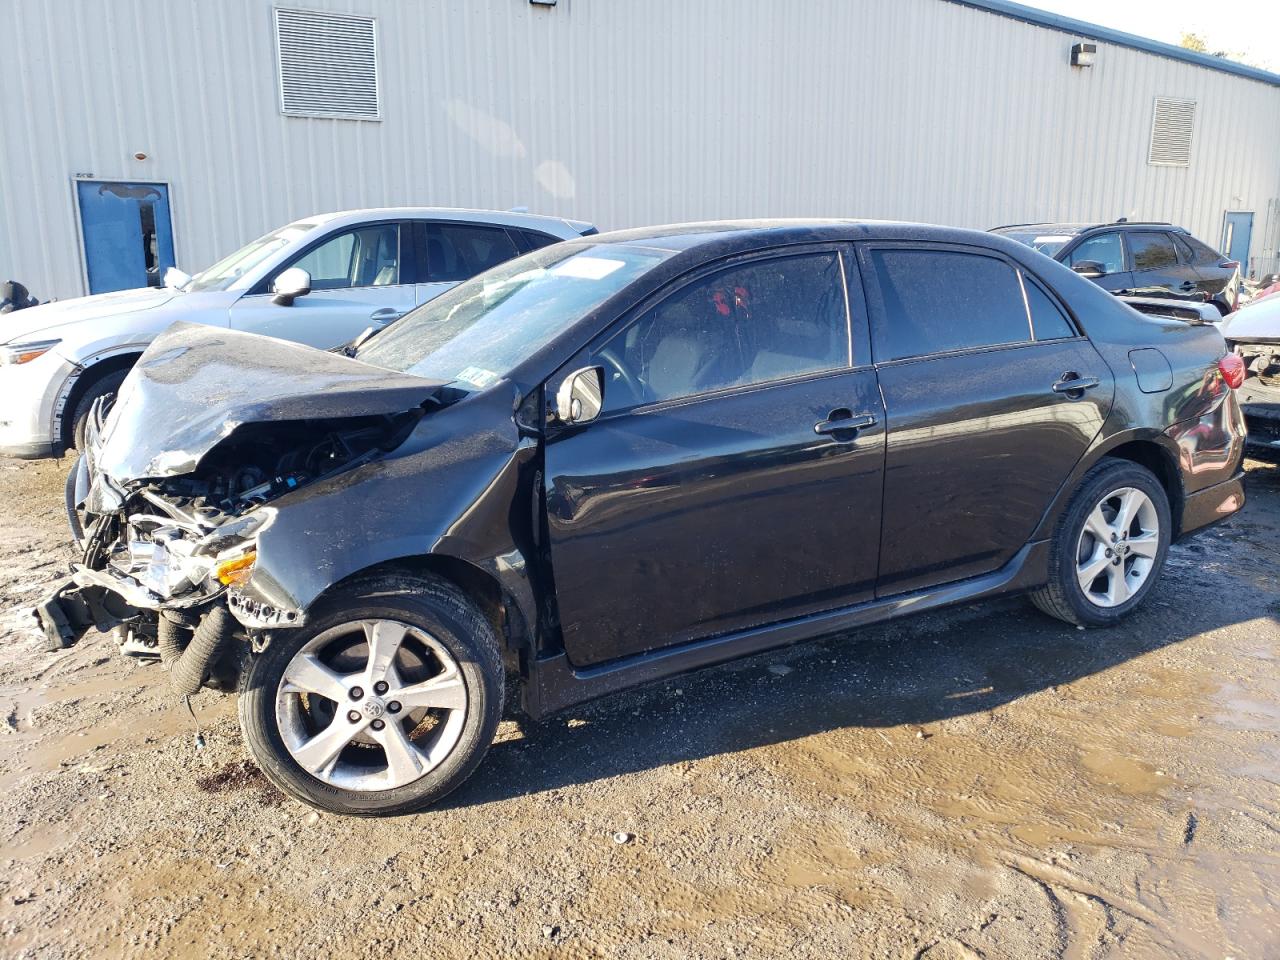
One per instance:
(1152, 251)
(934, 301)
(459, 251)
(536, 241)
(1204, 254)
(1104, 249)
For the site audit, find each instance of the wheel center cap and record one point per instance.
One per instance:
(374, 708)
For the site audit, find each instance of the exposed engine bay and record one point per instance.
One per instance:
(1260, 395)
(159, 554)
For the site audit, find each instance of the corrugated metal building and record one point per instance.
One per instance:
(205, 117)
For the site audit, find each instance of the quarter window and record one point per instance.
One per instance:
(1152, 251)
(1047, 319)
(768, 320)
(459, 251)
(1104, 249)
(934, 301)
(365, 257)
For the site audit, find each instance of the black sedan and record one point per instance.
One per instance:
(1132, 259)
(617, 459)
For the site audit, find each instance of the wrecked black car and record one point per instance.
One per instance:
(614, 460)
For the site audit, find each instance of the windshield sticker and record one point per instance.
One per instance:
(1039, 240)
(478, 376)
(587, 268)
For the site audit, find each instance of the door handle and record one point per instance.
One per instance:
(1187, 285)
(1074, 385)
(843, 421)
(386, 315)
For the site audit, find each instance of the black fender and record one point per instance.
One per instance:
(460, 487)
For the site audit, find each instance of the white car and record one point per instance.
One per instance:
(320, 281)
(1253, 332)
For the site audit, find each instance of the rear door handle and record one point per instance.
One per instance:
(843, 421)
(1074, 385)
(386, 315)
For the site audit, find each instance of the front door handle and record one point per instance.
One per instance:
(1074, 385)
(1188, 285)
(843, 421)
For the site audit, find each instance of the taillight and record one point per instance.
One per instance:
(1232, 369)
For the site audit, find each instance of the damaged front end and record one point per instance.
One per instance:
(166, 529)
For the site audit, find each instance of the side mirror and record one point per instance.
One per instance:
(1089, 269)
(289, 285)
(581, 395)
(175, 278)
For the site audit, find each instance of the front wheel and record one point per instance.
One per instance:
(1109, 546)
(384, 703)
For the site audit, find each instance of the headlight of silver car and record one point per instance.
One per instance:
(15, 353)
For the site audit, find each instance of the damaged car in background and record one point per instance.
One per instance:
(614, 460)
(1253, 334)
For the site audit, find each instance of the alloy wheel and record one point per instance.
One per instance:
(371, 705)
(1118, 547)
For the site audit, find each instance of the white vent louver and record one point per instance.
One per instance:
(1172, 124)
(328, 64)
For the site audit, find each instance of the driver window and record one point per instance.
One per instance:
(767, 320)
(365, 257)
(1104, 249)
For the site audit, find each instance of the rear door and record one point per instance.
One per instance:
(453, 251)
(991, 398)
(1107, 250)
(733, 478)
(1216, 274)
(1157, 270)
(359, 278)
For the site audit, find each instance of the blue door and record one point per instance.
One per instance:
(128, 237)
(1237, 231)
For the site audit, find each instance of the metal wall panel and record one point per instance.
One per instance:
(621, 112)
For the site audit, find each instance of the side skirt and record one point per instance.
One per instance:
(554, 684)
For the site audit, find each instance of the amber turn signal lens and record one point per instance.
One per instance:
(237, 570)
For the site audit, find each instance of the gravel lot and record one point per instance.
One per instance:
(980, 783)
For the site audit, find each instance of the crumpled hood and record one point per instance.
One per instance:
(196, 384)
(1257, 321)
(34, 322)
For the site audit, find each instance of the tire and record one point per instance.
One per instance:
(446, 640)
(104, 386)
(1117, 589)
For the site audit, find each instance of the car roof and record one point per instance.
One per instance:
(1072, 229)
(747, 233)
(558, 226)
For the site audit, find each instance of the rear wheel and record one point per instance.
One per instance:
(1109, 546)
(383, 704)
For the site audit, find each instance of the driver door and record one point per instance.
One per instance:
(733, 476)
(360, 277)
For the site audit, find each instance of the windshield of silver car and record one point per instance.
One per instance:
(229, 269)
(476, 333)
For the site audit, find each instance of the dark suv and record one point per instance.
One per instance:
(1137, 259)
(617, 459)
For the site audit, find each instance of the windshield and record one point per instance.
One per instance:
(227, 270)
(476, 333)
(1047, 243)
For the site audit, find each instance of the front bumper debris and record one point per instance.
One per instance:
(72, 608)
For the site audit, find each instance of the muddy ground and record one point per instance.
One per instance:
(980, 783)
